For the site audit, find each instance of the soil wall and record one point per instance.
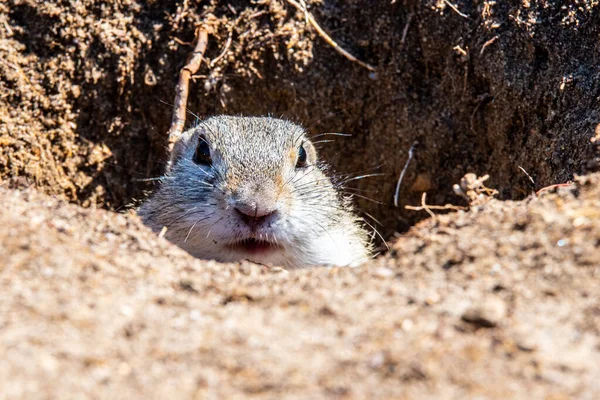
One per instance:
(484, 87)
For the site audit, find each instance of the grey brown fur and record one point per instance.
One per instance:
(253, 194)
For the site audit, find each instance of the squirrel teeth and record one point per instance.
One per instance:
(252, 245)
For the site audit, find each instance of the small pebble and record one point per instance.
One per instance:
(525, 340)
(488, 313)
(126, 311)
(407, 325)
(124, 369)
(433, 298)
(377, 360)
(195, 315)
(383, 272)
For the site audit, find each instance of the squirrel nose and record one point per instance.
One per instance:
(252, 214)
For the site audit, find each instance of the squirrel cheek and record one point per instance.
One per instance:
(286, 197)
(292, 156)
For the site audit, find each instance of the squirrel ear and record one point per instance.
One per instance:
(176, 153)
(181, 146)
(311, 152)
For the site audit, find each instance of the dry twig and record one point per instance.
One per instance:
(452, 6)
(163, 232)
(328, 38)
(529, 176)
(428, 208)
(460, 50)
(486, 44)
(182, 89)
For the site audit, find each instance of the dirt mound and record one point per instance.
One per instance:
(497, 302)
(484, 88)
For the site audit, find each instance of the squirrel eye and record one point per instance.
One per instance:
(301, 162)
(202, 154)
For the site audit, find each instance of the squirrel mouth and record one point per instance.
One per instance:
(254, 246)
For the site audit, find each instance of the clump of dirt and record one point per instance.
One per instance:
(484, 88)
(497, 302)
(594, 152)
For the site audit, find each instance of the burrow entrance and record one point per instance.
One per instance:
(489, 87)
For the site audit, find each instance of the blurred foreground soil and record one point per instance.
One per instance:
(501, 301)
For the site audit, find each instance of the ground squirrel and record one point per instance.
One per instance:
(252, 188)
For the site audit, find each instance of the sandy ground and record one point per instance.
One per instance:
(500, 301)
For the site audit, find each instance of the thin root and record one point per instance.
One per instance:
(328, 38)
(405, 31)
(452, 6)
(553, 187)
(529, 176)
(428, 208)
(486, 44)
(410, 156)
(225, 49)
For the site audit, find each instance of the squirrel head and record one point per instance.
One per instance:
(252, 188)
(251, 161)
